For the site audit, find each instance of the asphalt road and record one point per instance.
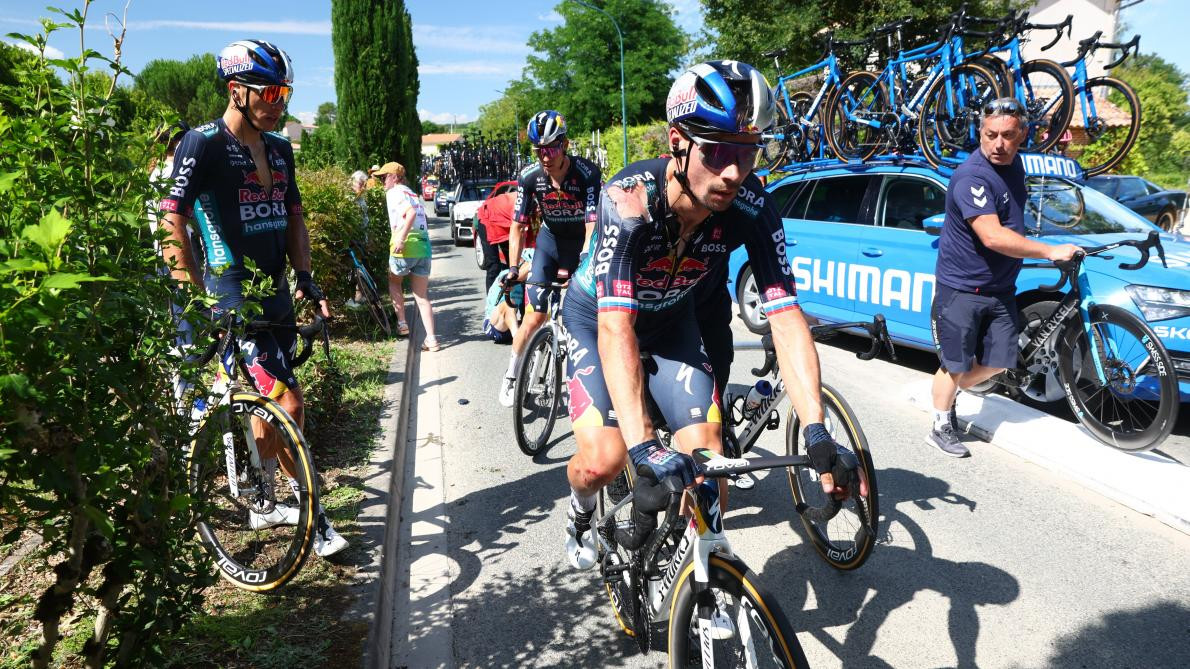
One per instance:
(987, 561)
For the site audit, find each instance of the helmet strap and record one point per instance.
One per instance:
(242, 107)
(680, 171)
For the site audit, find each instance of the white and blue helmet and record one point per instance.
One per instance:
(255, 62)
(721, 96)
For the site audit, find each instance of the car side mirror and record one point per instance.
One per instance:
(933, 224)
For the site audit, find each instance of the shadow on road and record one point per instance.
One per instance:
(1156, 636)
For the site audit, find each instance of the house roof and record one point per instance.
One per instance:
(440, 138)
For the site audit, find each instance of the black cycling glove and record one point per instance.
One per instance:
(826, 456)
(310, 290)
(663, 463)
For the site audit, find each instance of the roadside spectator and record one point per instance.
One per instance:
(495, 218)
(974, 316)
(358, 183)
(373, 182)
(409, 251)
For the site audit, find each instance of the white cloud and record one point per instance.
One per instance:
(470, 67)
(272, 27)
(484, 39)
(443, 118)
(50, 52)
(552, 17)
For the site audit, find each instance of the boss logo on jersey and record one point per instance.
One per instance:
(607, 247)
(182, 181)
(713, 248)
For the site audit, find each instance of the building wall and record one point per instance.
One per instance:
(1089, 16)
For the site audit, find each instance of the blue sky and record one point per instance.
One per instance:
(468, 49)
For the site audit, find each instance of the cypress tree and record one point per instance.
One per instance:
(376, 83)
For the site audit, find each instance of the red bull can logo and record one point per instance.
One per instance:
(580, 399)
(261, 379)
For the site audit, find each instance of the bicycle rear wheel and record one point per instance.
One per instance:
(259, 559)
(1137, 407)
(538, 393)
(844, 540)
(1106, 128)
(950, 112)
(1049, 95)
(762, 638)
(377, 307)
(859, 100)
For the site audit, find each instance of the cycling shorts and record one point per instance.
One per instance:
(678, 372)
(972, 326)
(552, 253)
(267, 354)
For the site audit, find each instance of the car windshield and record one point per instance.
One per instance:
(1065, 208)
(472, 193)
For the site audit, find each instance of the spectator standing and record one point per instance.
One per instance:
(974, 315)
(409, 251)
(358, 183)
(495, 219)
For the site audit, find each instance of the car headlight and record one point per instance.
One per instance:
(1160, 303)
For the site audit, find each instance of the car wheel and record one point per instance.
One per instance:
(748, 297)
(479, 254)
(454, 232)
(1166, 219)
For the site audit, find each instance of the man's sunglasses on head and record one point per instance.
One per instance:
(272, 93)
(718, 155)
(1004, 107)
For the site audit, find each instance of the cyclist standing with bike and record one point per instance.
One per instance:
(563, 190)
(974, 315)
(236, 180)
(664, 225)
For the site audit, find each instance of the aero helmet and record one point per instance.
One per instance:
(255, 62)
(721, 96)
(546, 128)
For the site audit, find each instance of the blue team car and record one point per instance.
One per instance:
(863, 239)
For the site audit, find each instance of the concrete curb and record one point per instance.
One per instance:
(380, 512)
(1146, 482)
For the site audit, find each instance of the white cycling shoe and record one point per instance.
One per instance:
(580, 538)
(507, 387)
(281, 514)
(327, 541)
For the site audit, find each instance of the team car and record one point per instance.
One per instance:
(469, 195)
(863, 239)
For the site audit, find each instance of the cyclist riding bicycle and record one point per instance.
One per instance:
(236, 180)
(563, 190)
(663, 226)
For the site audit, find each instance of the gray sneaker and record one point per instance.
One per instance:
(946, 441)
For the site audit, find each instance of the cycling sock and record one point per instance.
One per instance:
(581, 502)
(513, 359)
(941, 418)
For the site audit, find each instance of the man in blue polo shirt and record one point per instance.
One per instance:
(974, 317)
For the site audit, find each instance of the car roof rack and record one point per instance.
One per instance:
(890, 159)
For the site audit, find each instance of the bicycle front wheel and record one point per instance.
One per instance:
(762, 636)
(846, 538)
(857, 108)
(1048, 97)
(1134, 406)
(538, 393)
(257, 524)
(1107, 125)
(950, 112)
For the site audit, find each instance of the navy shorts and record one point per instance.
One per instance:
(266, 353)
(678, 374)
(972, 326)
(551, 254)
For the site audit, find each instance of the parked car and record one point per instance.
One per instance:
(1163, 207)
(485, 254)
(468, 196)
(443, 197)
(862, 240)
(429, 184)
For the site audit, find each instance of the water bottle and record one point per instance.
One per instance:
(757, 394)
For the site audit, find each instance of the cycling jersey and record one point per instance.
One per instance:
(633, 264)
(564, 211)
(216, 184)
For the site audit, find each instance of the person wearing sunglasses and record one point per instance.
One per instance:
(664, 226)
(561, 190)
(974, 314)
(235, 180)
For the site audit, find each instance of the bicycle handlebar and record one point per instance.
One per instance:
(1132, 44)
(1068, 268)
(305, 332)
(1067, 23)
(507, 289)
(877, 329)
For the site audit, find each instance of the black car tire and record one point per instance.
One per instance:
(1166, 219)
(748, 298)
(485, 254)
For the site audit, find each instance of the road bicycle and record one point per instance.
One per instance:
(360, 279)
(1108, 363)
(227, 477)
(1109, 110)
(538, 390)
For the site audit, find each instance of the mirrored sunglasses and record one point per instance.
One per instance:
(718, 155)
(272, 94)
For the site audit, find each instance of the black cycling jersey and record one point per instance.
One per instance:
(215, 182)
(564, 211)
(633, 264)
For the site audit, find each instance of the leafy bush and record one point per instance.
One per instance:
(89, 457)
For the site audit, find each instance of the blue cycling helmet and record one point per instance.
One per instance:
(546, 128)
(721, 96)
(255, 62)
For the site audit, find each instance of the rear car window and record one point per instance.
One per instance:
(906, 201)
(837, 199)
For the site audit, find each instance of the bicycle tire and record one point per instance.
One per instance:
(376, 306)
(738, 586)
(941, 132)
(1129, 424)
(619, 592)
(846, 540)
(999, 69)
(1117, 141)
(223, 518)
(848, 139)
(1047, 116)
(538, 359)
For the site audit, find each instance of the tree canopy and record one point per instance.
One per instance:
(191, 87)
(1165, 122)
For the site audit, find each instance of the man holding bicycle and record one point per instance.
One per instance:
(974, 316)
(237, 182)
(663, 226)
(561, 189)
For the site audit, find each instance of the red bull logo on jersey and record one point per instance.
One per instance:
(580, 398)
(691, 265)
(557, 204)
(664, 264)
(263, 381)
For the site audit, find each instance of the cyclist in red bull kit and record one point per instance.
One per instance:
(663, 226)
(562, 190)
(236, 181)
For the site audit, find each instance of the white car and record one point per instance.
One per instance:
(469, 196)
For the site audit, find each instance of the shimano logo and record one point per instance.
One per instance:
(1037, 164)
(1170, 332)
(865, 283)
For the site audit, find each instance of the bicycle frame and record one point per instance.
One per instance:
(832, 78)
(363, 271)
